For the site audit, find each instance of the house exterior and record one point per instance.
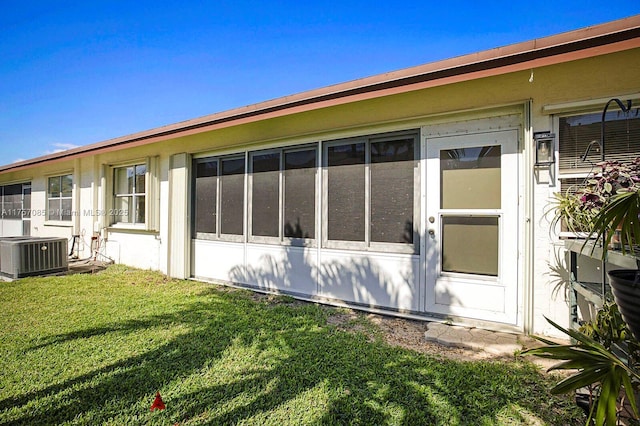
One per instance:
(414, 193)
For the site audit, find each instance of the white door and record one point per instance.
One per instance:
(472, 226)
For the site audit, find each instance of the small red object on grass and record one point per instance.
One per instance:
(158, 403)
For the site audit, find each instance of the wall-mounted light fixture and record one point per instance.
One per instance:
(545, 148)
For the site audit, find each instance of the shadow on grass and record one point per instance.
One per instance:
(237, 360)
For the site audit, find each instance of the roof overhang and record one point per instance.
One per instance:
(588, 42)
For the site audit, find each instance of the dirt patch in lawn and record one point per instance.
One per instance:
(405, 333)
(409, 334)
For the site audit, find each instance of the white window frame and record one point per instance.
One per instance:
(151, 194)
(58, 220)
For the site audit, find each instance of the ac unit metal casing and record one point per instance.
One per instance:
(25, 256)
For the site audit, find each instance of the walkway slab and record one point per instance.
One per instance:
(495, 343)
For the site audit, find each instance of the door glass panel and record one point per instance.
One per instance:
(470, 178)
(470, 245)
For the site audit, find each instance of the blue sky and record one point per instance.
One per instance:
(78, 72)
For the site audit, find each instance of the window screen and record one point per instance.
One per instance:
(346, 192)
(206, 195)
(300, 194)
(392, 189)
(232, 196)
(265, 194)
(12, 201)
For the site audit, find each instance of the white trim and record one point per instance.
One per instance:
(48, 198)
(528, 244)
(151, 195)
(586, 105)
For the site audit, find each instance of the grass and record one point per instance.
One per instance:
(94, 349)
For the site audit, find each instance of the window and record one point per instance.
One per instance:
(129, 194)
(206, 196)
(59, 196)
(299, 212)
(265, 194)
(133, 195)
(281, 190)
(370, 193)
(232, 196)
(578, 134)
(283, 195)
(15, 208)
(218, 187)
(346, 191)
(392, 190)
(12, 201)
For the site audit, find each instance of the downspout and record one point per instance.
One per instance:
(529, 240)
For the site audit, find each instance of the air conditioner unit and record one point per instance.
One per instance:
(25, 256)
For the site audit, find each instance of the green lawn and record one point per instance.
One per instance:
(94, 349)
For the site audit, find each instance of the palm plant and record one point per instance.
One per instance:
(612, 363)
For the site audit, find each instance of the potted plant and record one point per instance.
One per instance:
(596, 208)
(618, 190)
